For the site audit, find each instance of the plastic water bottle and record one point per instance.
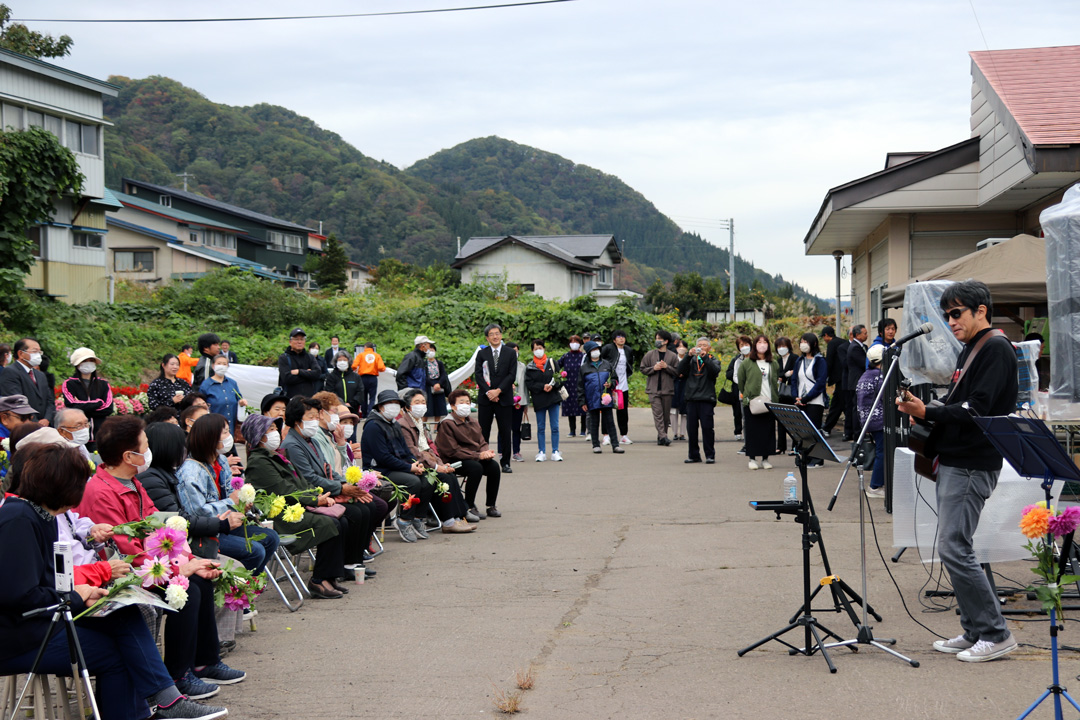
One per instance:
(790, 490)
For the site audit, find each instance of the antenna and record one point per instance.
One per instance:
(185, 175)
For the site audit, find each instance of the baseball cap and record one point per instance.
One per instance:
(297, 331)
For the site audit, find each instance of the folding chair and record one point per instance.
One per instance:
(285, 571)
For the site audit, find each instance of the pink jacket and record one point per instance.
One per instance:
(107, 501)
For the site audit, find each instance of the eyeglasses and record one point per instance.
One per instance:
(955, 313)
(73, 428)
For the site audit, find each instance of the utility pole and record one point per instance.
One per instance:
(839, 255)
(730, 224)
(185, 175)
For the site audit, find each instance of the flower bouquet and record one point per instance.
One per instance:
(366, 480)
(1041, 525)
(236, 588)
(5, 458)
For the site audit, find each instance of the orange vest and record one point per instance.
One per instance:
(186, 363)
(368, 362)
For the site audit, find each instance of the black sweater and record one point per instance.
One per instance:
(990, 389)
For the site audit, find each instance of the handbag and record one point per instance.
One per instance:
(757, 406)
(526, 426)
(727, 396)
(335, 511)
(563, 394)
(620, 400)
(783, 393)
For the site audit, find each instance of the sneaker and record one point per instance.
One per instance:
(617, 449)
(606, 440)
(742, 450)
(573, 434)
(221, 674)
(421, 531)
(625, 440)
(738, 436)
(541, 456)
(493, 512)
(954, 646)
(405, 530)
(556, 456)
(473, 515)
(517, 457)
(753, 465)
(983, 651)
(190, 710)
(597, 450)
(766, 465)
(192, 687)
(880, 492)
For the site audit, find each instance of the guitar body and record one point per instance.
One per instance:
(921, 442)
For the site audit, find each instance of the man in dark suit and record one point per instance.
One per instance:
(836, 362)
(856, 366)
(226, 350)
(496, 368)
(22, 377)
(330, 356)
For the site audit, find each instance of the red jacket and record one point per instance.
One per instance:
(107, 501)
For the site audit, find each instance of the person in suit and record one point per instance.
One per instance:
(836, 363)
(621, 358)
(330, 356)
(23, 377)
(856, 366)
(496, 368)
(226, 350)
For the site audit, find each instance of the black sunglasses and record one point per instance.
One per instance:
(955, 313)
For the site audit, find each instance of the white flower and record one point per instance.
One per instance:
(177, 523)
(247, 494)
(6, 444)
(176, 596)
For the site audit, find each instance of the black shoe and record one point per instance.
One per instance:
(848, 438)
(742, 450)
(617, 449)
(710, 461)
(226, 646)
(369, 573)
(827, 433)
(493, 512)
(348, 575)
(691, 460)
(507, 469)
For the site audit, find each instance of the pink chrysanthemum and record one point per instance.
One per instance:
(166, 542)
(1066, 522)
(154, 572)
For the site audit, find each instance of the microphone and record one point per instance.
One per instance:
(924, 329)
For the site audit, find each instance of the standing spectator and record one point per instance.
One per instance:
(700, 369)
(368, 364)
(785, 370)
(23, 377)
(87, 391)
(836, 362)
(757, 379)
(14, 413)
(570, 363)
(186, 364)
(227, 352)
(496, 368)
(594, 388)
(167, 389)
(856, 361)
(5, 355)
(521, 403)
(316, 352)
(886, 333)
(866, 391)
(222, 393)
(742, 347)
(621, 358)
(410, 372)
(330, 357)
(811, 374)
(344, 383)
(543, 385)
(209, 348)
(298, 372)
(438, 385)
(460, 439)
(659, 366)
(678, 401)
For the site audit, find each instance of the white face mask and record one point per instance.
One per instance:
(762, 349)
(314, 351)
(804, 348)
(781, 351)
(309, 428)
(226, 444)
(148, 457)
(430, 354)
(463, 409)
(391, 410)
(342, 365)
(595, 354)
(220, 370)
(333, 423)
(273, 440)
(575, 346)
(682, 351)
(744, 349)
(418, 411)
(87, 367)
(348, 429)
(538, 353)
(81, 437)
(35, 359)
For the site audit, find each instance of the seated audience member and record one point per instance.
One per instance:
(167, 390)
(206, 489)
(268, 470)
(385, 450)
(460, 439)
(119, 649)
(273, 406)
(192, 399)
(164, 414)
(452, 509)
(190, 415)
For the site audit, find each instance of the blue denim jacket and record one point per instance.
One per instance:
(198, 493)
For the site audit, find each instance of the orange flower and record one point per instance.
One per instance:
(1036, 522)
(413, 500)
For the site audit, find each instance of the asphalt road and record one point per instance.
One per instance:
(626, 584)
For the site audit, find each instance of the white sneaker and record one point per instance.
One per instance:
(541, 457)
(753, 465)
(606, 440)
(876, 493)
(766, 465)
(556, 456)
(983, 651)
(625, 440)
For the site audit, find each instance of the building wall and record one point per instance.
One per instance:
(521, 265)
(1001, 159)
(70, 283)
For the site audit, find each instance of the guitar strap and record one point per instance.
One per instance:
(971, 358)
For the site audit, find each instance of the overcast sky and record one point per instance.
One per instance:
(710, 109)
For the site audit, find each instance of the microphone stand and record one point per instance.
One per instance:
(865, 635)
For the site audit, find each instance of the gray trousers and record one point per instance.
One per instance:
(661, 414)
(961, 495)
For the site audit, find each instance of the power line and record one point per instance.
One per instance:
(293, 17)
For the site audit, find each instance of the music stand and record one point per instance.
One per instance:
(808, 443)
(1031, 448)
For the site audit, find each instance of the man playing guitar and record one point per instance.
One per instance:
(968, 465)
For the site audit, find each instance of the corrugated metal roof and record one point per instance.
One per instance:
(1040, 87)
(158, 209)
(223, 207)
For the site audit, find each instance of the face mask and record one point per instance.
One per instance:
(81, 437)
(595, 354)
(148, 457)
(575, 346)
(35, 359)
(430, 354)
(391, 410)
(220, 370)
(682, 351)
(87, 367)
(418, 411)
(348, 429)
(804, 348)
(762, 349)
(309, 428)
(463, 410)
(334, 422)
(538, 353)
(314, 351)
(781, 351)
(226, 445)
(659, 344)
(273, 440)
(744, 349)
(335, 346)
(343, 365)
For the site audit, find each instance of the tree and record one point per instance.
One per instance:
(333, 270)
(21, 39)
(34, 169)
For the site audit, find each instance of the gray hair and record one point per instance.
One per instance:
(703, 338)
(62, 415)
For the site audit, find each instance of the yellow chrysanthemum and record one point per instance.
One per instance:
(1036, 522)
(277, 505)
(353, 475)
(293, 513)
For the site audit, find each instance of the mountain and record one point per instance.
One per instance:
(274, 161)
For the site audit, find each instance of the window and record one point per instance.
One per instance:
(604, 277)
(193, 237)
(35, 119)
(13, 116)
(526, 287)
(92, 241)
(90, 139)
(72, 136)
(35, 234)
(284, 242)
(133, 261)
(165, 200)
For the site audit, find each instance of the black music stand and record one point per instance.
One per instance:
(809, 443)
(1033, 451)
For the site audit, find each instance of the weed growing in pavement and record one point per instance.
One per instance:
(524, 679)
(507, 702)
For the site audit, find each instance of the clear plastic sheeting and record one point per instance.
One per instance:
(932, 357)
(1027, 395)
(1061, 223)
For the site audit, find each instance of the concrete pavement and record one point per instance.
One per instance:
(627, 584)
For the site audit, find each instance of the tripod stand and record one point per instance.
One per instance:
(79, 670)
(809, 444)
